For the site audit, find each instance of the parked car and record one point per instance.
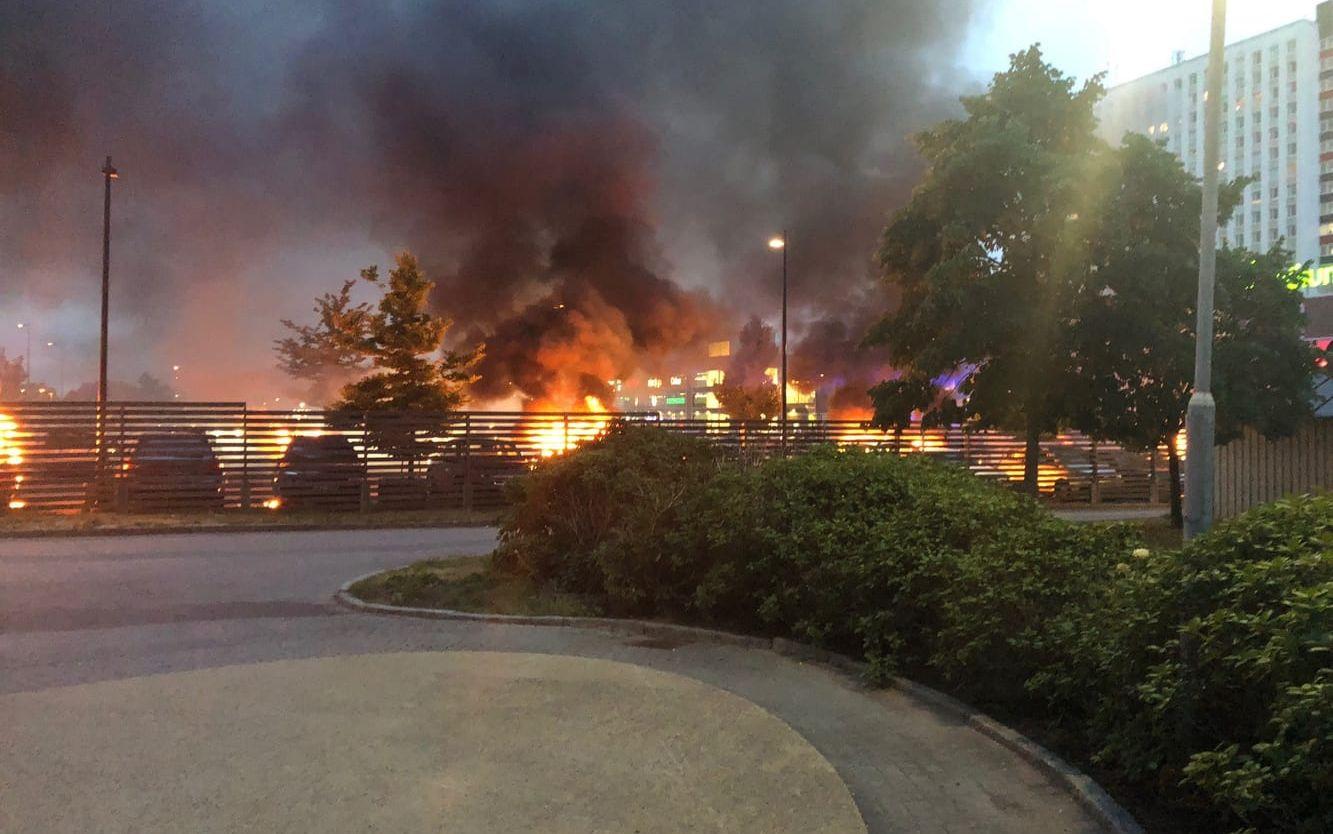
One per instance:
(484, 463)
(323, 472)
(170, 471)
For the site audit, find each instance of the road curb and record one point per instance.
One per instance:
(235, 528)
(1085, 790)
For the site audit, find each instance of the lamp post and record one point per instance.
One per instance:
(27, 356)
(780, 244)
(109, 173)
(1201, 418)
(60, 377)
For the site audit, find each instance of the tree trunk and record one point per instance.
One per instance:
(1031, 455)
(1173, 477)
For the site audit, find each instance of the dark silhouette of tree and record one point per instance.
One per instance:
(327, 354)
(987, 252)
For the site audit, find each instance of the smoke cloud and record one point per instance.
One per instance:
(590, 183)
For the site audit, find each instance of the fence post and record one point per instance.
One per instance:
(121, 498)
(467, 463)
(245, 457)
(1095, 492)
(365, 467)
(566, 443)
(1154, 494)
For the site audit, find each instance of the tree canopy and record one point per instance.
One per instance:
(396, 346)
(987, 249)
(1058, 276)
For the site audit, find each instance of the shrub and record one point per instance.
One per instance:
(1208, 671)
(593, 522)
(909, 562)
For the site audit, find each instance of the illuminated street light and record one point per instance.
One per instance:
(60, 378)
(779, 244)
(27, 357)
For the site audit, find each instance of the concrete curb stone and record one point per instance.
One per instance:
(1094, 799)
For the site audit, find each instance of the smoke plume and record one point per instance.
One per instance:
(590, 183)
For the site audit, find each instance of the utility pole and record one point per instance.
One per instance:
(1201, 418)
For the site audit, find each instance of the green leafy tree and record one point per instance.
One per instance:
(988, 253)
(1133, 343)
(330, 352)
(403, 341)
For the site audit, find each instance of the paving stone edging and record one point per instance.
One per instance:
(1094, 799)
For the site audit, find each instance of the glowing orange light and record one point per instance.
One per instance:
(17, 505)
(273, 504)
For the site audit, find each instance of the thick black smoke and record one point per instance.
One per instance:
(590, 182)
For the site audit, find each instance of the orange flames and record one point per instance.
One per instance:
(562, 434)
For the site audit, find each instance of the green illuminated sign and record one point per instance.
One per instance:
(1321, 276)
(675, 400)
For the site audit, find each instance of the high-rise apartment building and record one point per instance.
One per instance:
(1276, 127)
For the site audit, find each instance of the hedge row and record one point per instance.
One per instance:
(1202, 674)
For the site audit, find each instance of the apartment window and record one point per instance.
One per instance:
(1291, 148)
(1272, 193)
(1272, 233)
(1272, 213)
(1291, 46)
(1326, 250)
(1194, 79)
(1240, 142)
(1291, 210)
(1272, 153)
(1254, 216)
(1272, 133)
(1291, 231)
(1257, 56)
(1272, 112)
(1179, 83)
(1291, 108)
(1240, 123)
(1291, 88)
(1291, 127)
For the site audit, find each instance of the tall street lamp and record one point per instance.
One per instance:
(1201, 418)
(780, 244)
(109, 173)
(60, 379)
(27, 356)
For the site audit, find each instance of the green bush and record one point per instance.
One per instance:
(1208, 671)
(911, 563)
(593, 522)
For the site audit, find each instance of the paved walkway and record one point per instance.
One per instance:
(72, 679)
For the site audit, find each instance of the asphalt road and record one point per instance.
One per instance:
(84, 621)
(72, 584)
